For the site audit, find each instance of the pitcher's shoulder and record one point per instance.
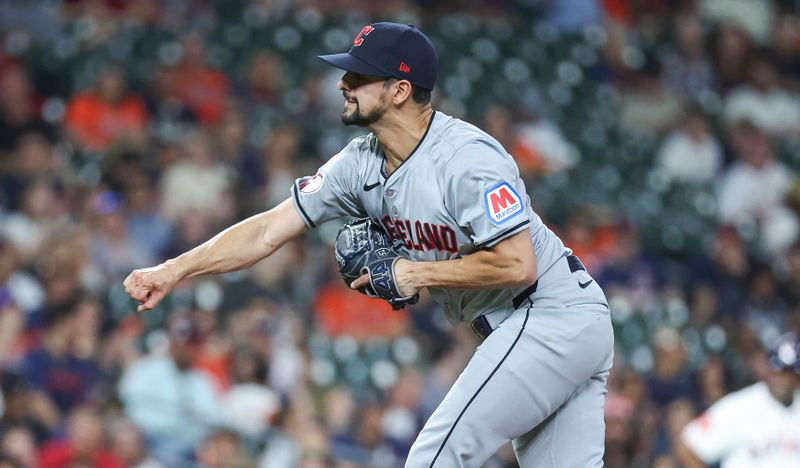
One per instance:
(457, 134)
(361, 149)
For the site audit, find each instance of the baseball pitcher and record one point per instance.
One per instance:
(443, 207)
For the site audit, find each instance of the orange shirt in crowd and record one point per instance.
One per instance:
(594, 250)
(204, 90)
(344, 311)
(529, 159)
(216, 362)
(97, 123)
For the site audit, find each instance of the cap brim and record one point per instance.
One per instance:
(347, 62)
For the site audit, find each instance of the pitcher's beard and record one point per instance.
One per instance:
(356, 117)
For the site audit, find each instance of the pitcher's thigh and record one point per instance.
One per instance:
(515, 380)
(573, 436)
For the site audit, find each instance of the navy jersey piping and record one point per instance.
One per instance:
(419, 143)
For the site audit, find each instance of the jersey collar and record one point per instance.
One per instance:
(419, 143)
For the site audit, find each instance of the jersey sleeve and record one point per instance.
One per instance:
(485, 194)
(712, 434)
(330, 193)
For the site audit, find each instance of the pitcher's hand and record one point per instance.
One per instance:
(403, 276)
(150, 285)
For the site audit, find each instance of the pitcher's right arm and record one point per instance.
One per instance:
(235, 248)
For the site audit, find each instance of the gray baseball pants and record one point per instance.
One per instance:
(538, 380)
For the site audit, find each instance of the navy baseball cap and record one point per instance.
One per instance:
(392, 50)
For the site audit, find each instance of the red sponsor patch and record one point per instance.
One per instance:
(502, 203)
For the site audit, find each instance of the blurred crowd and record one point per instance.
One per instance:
(660, 139)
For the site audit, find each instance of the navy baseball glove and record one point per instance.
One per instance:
(362, 247)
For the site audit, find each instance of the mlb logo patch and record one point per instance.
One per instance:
(311, 184)
(502, 203)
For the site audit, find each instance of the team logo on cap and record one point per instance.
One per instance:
(311, 184)
(502, 203)
(360, 37)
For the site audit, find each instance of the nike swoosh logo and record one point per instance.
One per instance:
(367, 188)
(583, 285)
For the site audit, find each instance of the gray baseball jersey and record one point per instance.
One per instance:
(539, 378)
(459, 191)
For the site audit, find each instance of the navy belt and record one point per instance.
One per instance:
(481, 325)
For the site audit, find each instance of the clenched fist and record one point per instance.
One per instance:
(150, 285)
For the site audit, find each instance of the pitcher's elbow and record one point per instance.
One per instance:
(528, 274)
(522, 274)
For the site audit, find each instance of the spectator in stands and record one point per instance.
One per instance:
(12, 329)
(170, 116)
(619, 430)
(128, 443)
(101, 117)
(671, 378)
(55, 368)
(19, 111)
(754, 17)
(401, 419)
(763, 101)
(691, 153)
(33, 157)
(17, 443)
(197, 183)
(31, 411)
(174, 404)
(280, 156)
(703, 306)
(536, 143)
(249, 404)
(713, 380)
(18, 287)
(300, 440)
(223, 449)
(764, 311)
(731, 50)
(113, 249)
(32, 160)
(85, 444)
(647, 106)
(765, 180)
(725, 271)
(629, 269)
(39, 216)
(201, 87)
(262, 91)
(233, 147)
(785, 52)
(677, 415)
(687, 67)
(65, 271)
(143, 217)
(369, 440)
(790, 289)
(338, 411)
(591, 237)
